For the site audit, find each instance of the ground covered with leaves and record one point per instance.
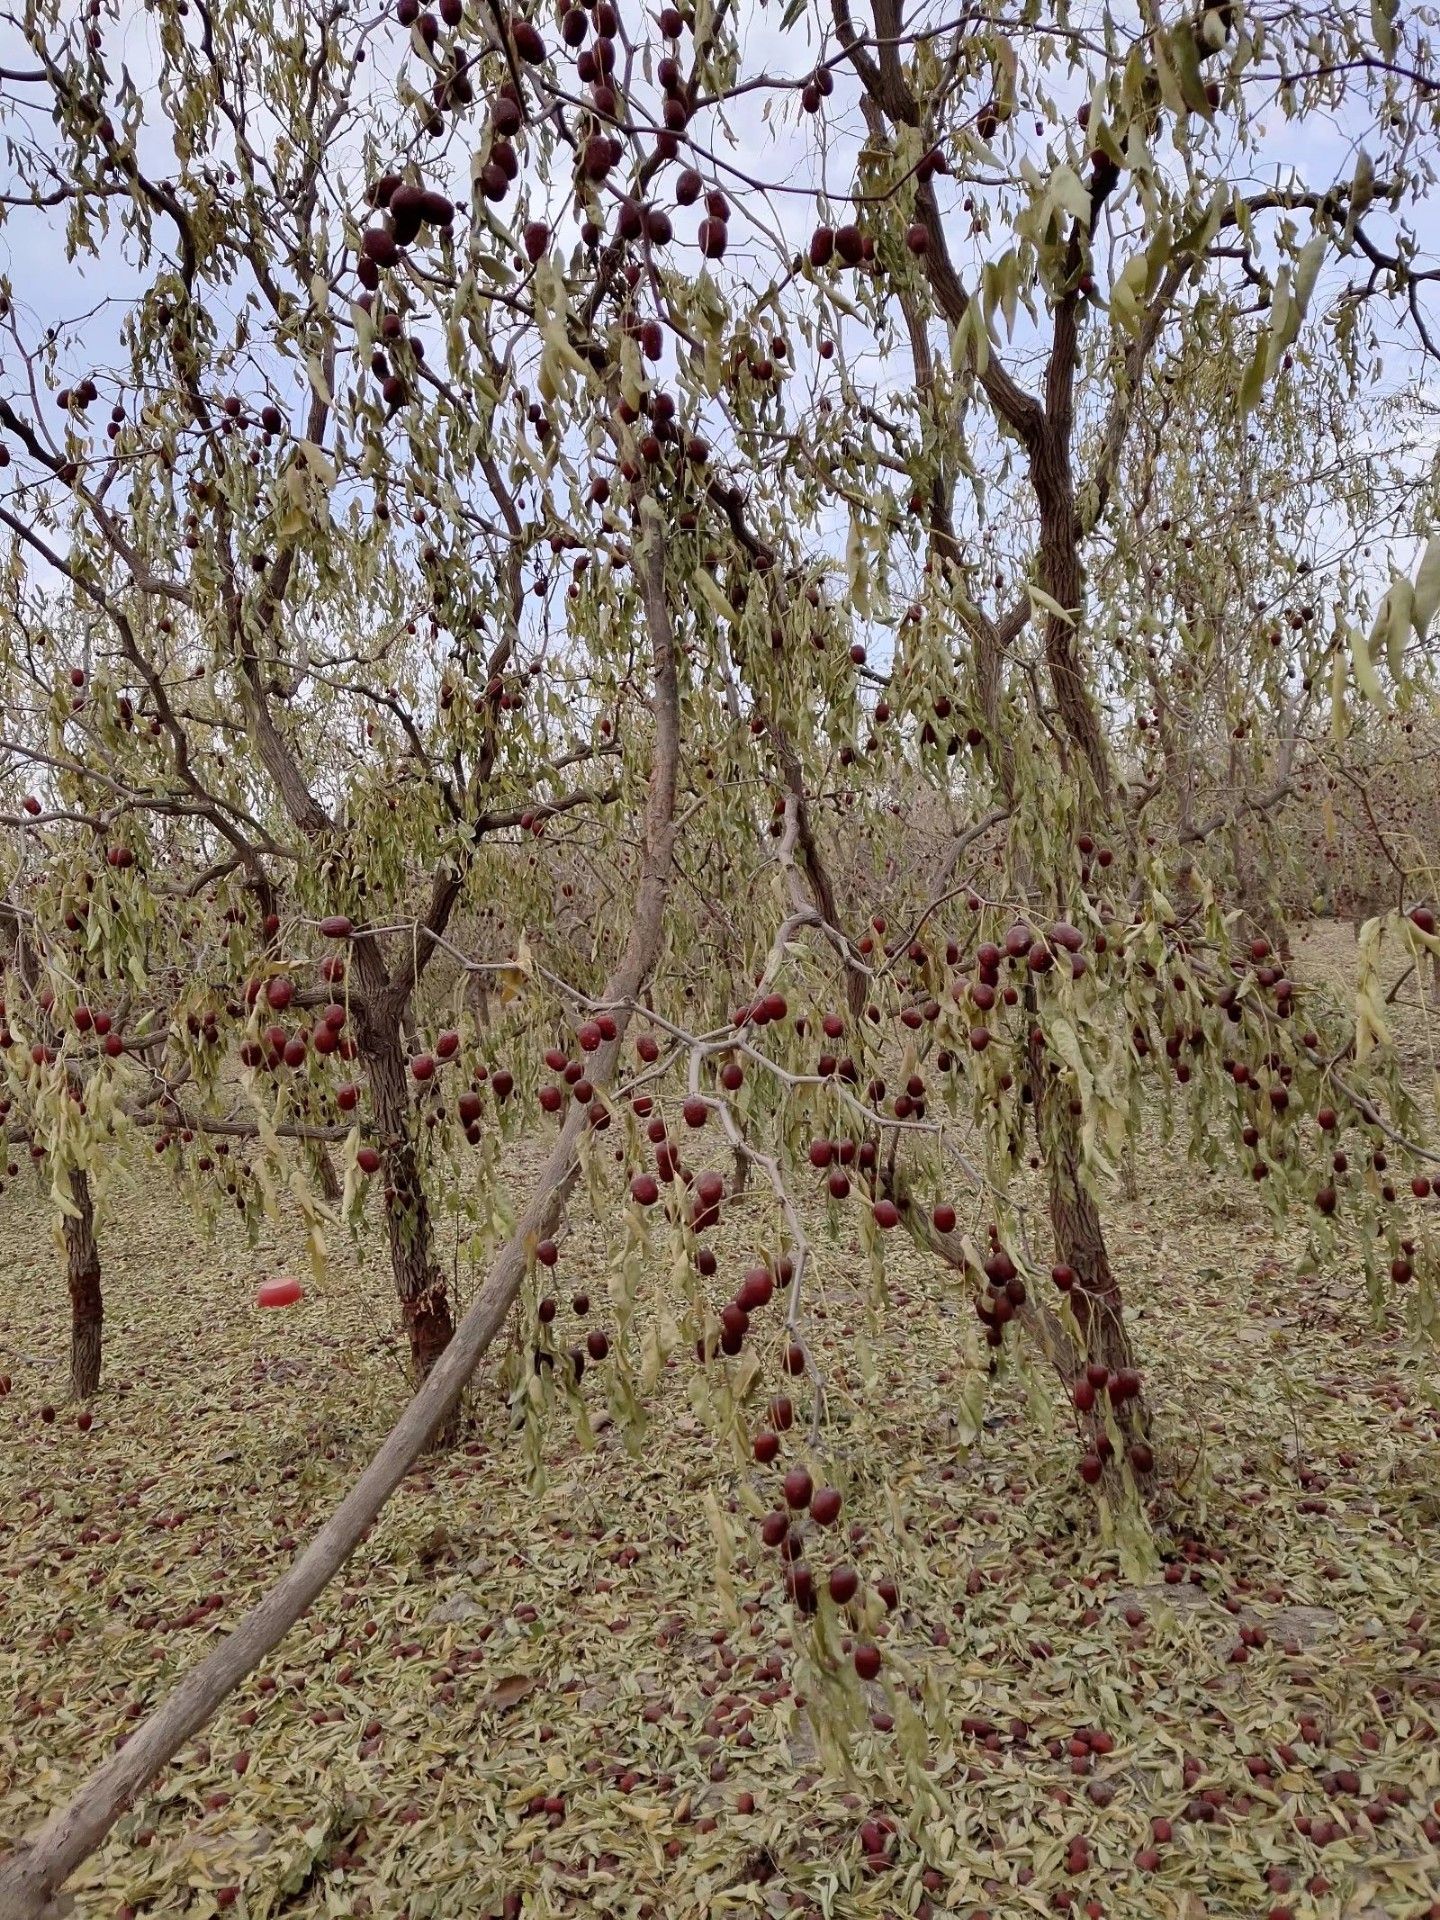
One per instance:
(563, 1677)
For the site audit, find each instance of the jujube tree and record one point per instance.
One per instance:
(492, 460)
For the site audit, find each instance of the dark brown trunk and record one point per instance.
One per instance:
(1074, 1217)
(87, 1307)
(419, 1283)
(1079, 1236)
(328, 1180)
(1063, 579)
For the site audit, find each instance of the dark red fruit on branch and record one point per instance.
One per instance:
(800, 1587)
(844, 1584)
(710, 1191)
(782, 1414)
(886, 1213)
(596, 1345)
(825, 1506)
(766, 1446)
(774, 1527)
(867, 1665)
(1090, 1468)
(756, 1290)
(644, 1189)
(798, 1487)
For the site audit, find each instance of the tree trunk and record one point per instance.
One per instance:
(419, 1281)
(87, 1307)
(1079, 1236)
(328, 1180)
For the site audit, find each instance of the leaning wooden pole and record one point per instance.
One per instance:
(32, 1875)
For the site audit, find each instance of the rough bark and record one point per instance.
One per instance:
(331, 1188)
(87, 1307)
(31, 1876)
(1079, 1235)
(419, 1281)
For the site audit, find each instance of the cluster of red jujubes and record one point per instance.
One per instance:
(597, 1341)
(805, 1513)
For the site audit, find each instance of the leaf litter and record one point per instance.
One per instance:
(571, 1684)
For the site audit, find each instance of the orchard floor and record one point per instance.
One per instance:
(493, 1643)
